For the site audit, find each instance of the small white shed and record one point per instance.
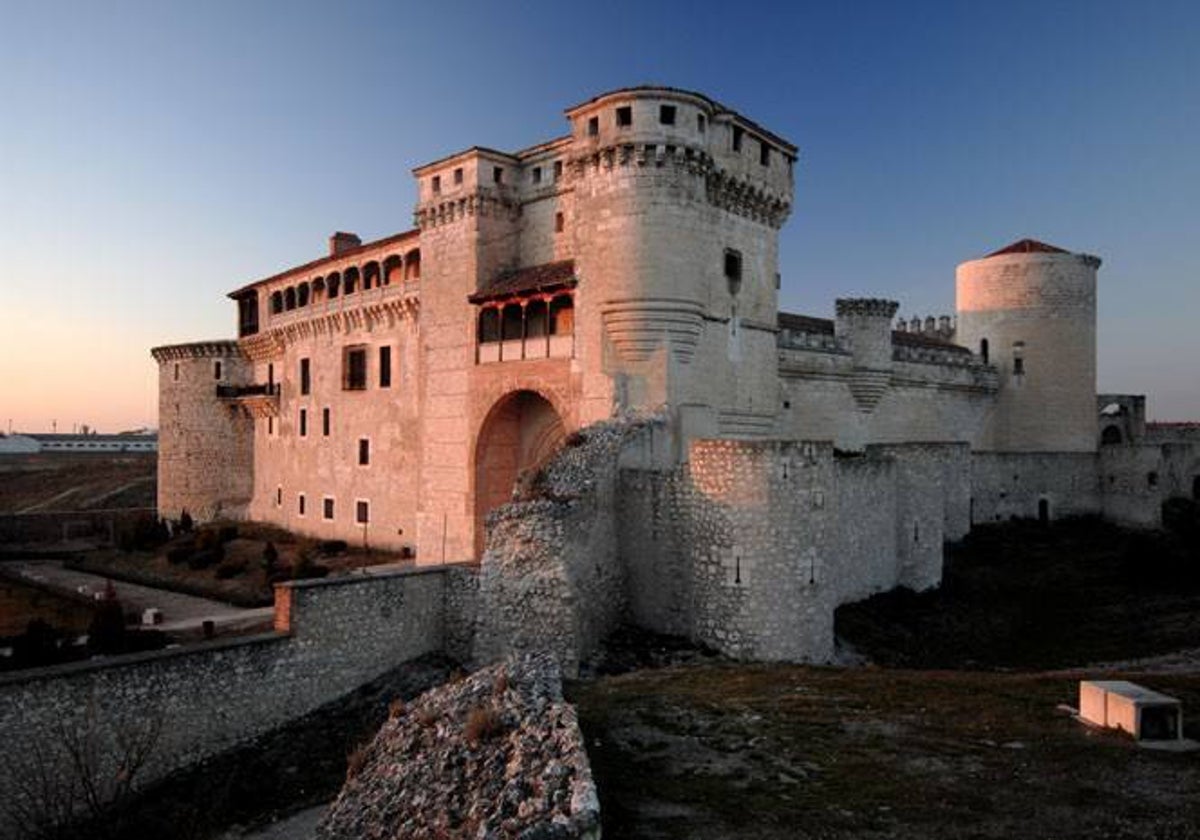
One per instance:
(1118, 704)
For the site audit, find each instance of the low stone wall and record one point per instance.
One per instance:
(58, 526)
(1007, 485)
(331, 637)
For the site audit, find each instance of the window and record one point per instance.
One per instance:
(278, 496)
(437, 184)
(300, 504)
(216, 370)
(354, 369)
(385, 367)
(737, 138)
(270, 425)
(327, 508)
(1018, 358)
(177, 371)
(666, 114)
(557, 170)
(537, 174)
(624, 116)
(364, 452)
(983, 350)
(593, 126)
(325, 422)
(498, 174)
(764, 153)
(303, 422)
(305, 377)
(733, 270)
(700, 123)
(558, 222)
(458, 176)
(1151, 479)
(362, 512)
(271, 377)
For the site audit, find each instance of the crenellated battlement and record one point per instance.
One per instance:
(866, 307)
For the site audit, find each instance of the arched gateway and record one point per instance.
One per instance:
(520, 434)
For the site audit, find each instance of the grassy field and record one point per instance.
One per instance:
(63, 481)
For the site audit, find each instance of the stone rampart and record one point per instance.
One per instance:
(331, 637)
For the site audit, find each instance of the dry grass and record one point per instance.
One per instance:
(483, 723)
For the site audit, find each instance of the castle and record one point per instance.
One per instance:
(394, 392)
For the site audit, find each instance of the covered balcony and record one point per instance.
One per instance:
(527, 314)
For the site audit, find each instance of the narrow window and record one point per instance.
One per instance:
(437, 184)
(364, 452)
(737, 138)
(557, 170)
(593, 126)
(458, 176)
(385, 367)
(666, 114)
(537, 174)
(300, 504)
(362, 513)
(733, 270)
(624, 116)
(270, 425)
(354, 369)
(983, 350)
(271, 378)
(328, 507)
(177, 371)
(558, 222)
(216, 370)
(279, 496)
(764, 153)
(305, 377)
(700, 123)
(498, 174)
(304, 422)
(325, 422)
(1018, 366)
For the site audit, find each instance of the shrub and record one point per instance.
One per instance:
(397, 708)
(143, 533)
(329, 548)
(483, 722)
(305, 568)
(357, 759)
(185, 521)
(203, 559)
(180, 553)
(230, 569)
(106, 633)
(228, 533)
(270, 559)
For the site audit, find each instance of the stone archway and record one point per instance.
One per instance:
(522, 431)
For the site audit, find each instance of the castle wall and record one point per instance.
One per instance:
(1008, 485)
(321, 466)
(1133, 484)
(205, 447)
(332, 636)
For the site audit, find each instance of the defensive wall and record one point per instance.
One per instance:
(330, 637)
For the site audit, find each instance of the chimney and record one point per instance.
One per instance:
(341, 242)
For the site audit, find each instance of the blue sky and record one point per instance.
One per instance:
(154, 156)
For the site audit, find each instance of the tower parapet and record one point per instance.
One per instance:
(205, 444)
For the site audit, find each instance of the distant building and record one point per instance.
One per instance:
(34, 443)
(18, 445)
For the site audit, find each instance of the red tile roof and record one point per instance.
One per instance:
(525, 281)
(1029, 246)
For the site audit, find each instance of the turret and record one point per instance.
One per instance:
(1030, 310)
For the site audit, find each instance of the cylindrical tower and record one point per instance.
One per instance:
(205, 439)
(1030, 310)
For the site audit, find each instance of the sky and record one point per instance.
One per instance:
(155, 156)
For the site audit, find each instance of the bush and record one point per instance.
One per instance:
(305, 568)
(203, 559)
(329, 548)
(180, 553)
(270, 559)
(185, 522)
(483, 722)
(230, 569)
(106, 633)
(144, 533)
(228, 533)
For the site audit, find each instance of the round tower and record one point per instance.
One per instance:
(1030, 310)
(205, 437)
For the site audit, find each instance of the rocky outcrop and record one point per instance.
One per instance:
(497, 755)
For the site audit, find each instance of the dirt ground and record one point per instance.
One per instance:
(62, 481)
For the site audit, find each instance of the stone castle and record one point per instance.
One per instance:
(591, 326)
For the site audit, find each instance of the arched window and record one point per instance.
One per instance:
(289, 298)
(350, 281)
(537, 321)
(393, 269)
(333, 285)
(276, 302)
(318, 289)
(412, 265)
(1111, 435)
(562, 315)
(512, 323)
(302, 295)
(489, 325)
(983, 350)
(370, 275)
